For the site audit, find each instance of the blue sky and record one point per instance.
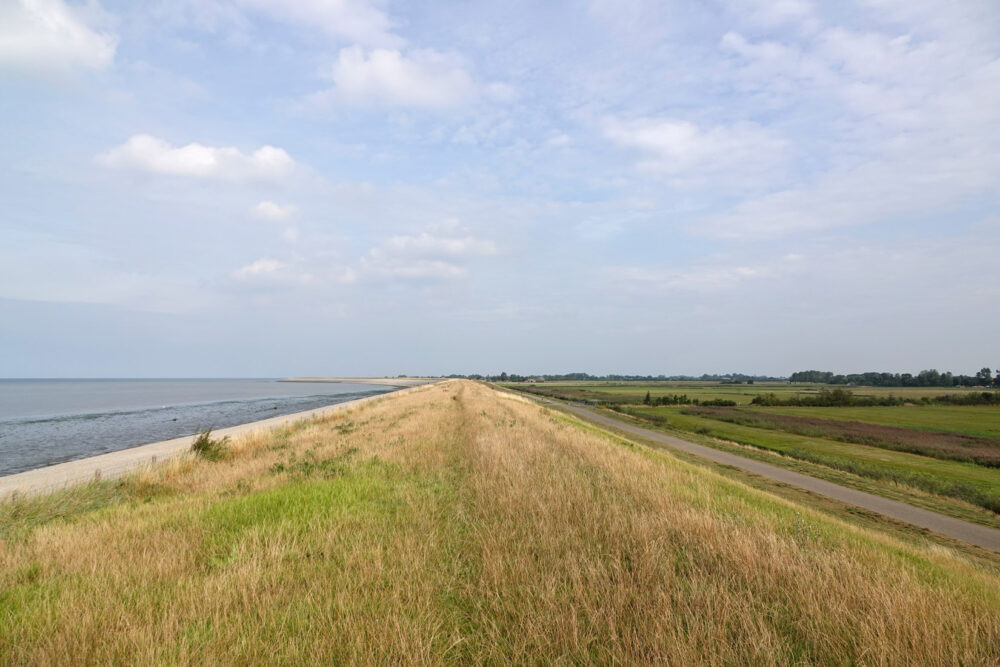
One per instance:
(268, 188)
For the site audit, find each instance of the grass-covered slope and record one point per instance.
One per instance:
(455, 523)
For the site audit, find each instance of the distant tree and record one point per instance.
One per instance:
(504, 377)
(929, 378)
(984, 377)
(648, 400)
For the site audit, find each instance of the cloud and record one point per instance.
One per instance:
(425, 257)
(427, 245)
(145, 153)
(358, 21)
(48, 35)
(262, 267)
(772, 13)
(689, 154)
(268, 272)
(697, 279)
(381, 77)
(907, 121)
(44, 267)
(268, 210)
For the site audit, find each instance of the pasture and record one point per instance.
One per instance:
(742, 394)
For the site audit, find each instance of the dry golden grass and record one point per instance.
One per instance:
(457, 524)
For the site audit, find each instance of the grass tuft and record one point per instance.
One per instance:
(209, 448)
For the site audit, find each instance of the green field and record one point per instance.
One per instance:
(742, 394)
(969, 419)
(968, 482)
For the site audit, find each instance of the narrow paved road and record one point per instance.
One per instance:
(983, 536)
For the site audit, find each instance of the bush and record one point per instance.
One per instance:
(827, 398)
(973, 398)
(209, 448)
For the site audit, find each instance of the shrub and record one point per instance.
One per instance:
(209, 448)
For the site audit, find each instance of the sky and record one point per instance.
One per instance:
(265, 188)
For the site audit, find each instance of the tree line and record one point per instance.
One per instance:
(927, 378)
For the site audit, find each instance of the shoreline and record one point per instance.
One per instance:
(116, 464)
(389, 382)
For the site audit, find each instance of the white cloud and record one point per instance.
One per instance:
(48, 35)
(696, 279)
(424, 79)
(425, 256)
(772, 13)
(358, 21)
(43, 267)
(382, 267)
(268, 210)
(268, 272)
(261, 267)
(911, 118)
(689, 153)
(427, 245)
(145, 153)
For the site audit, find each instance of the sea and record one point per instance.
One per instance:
(43, 422)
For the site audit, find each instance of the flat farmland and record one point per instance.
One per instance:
(634, 392)
(976, 420)
(741, 394)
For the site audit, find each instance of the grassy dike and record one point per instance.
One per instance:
(459, 524)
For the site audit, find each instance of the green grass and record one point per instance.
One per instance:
(975, 420)
(633, 392)
(964, 481)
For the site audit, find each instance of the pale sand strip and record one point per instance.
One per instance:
(115, 464)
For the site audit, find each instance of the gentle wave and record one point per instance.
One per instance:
(118, 413)
(30, 442)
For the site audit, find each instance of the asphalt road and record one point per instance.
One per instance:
(982, 536)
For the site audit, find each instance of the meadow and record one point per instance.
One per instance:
(741, 394)
(460, 524)
(983, 421)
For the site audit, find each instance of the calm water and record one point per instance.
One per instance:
(50, 421)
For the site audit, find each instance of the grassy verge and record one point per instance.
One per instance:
(456, 524)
